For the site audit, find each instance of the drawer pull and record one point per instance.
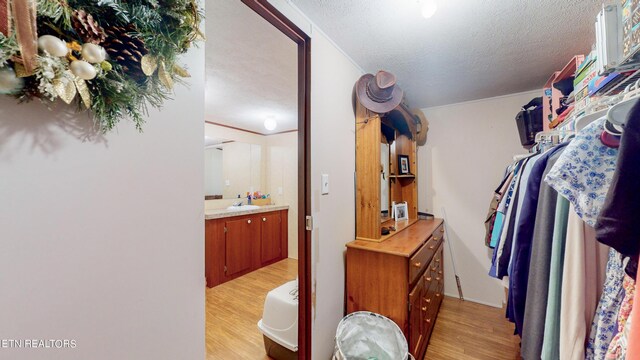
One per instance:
(428, 320)
(435, 238)
(418, 264)
(264, 219)
(424, 308)
(428, 279)
(438, 279)
(438, 295)
(432, 247)
(440, 272)
(442, 230)
(248, 221)
(434, 268)
(437, 260)
(428, 301)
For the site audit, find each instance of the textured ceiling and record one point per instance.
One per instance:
(251, 69)
(470, 49)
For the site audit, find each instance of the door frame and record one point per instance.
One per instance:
(287, 27)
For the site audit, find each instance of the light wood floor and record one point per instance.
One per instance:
(463, 331)
(234, 308)
(470, 331)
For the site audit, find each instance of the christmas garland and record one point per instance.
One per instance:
(112, 57)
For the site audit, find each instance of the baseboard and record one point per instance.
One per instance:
(455, 295)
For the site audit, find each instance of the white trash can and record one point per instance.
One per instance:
(365, 335)
(279, 323)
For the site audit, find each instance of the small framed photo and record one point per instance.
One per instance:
(403, 165)
(400, 211)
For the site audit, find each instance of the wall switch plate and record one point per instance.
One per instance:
(325, 184)
(227, 183)
(279, 190)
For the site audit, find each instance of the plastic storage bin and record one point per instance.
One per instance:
(279, 323)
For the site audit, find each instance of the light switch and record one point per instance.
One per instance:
(279, 190)
(227, 183)
(325, 184)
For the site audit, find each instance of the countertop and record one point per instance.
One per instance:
(403, 243)
(224, 213)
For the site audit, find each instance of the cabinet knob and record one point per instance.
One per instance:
(437, 295)
(440, 272)
(442, 230)
(424, 308)
(428, 301)
(428, 279)
(438, 279)
(264, 219)
(418, 264)
(434, 268)
(428, 320)
(437, 260)
(435, 238)
(432, 247)
(248, 221)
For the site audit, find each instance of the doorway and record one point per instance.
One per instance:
(301, 119)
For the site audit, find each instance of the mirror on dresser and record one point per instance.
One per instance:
(232, 168)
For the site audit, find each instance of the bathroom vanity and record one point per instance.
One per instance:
(238, 241)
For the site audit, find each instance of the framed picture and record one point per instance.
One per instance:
(400, 211)
(403, 165)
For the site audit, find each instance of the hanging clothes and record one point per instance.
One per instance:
(505, 213)
(490, 221)
(539, 268)
(582, 175)
(618, 347)
(633, 351)
(583, 276)
(522, 250)
(604, 325)
(551, 341)
(522, 191)
(617, 224)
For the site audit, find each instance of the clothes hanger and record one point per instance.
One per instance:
(617, 114)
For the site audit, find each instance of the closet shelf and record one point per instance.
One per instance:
(407, 176)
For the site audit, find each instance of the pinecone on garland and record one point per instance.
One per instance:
(126, 49)
(88, 29)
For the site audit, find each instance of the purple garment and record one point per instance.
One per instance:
(522, 249)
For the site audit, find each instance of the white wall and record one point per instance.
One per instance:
(101, 239)
(468, 148)
(332, 152)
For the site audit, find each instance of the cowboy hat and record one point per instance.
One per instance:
(423, 127)
(379, 93)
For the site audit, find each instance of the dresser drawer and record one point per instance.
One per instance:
(420, 260)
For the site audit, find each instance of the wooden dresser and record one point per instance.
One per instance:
(399, 274)
(401, 278)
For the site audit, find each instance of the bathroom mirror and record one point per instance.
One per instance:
(233, 168)
(385, 157)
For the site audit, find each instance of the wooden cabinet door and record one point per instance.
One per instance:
(241, 237)
(416, 322)
(271, 244)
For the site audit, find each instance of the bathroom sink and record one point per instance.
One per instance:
(243, 207)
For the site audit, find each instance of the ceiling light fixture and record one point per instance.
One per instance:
(429, 8)
(270, 124)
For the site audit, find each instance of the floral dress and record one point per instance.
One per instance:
(618, 347)
(604, 324)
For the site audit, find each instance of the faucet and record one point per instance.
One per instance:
(239, 203)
